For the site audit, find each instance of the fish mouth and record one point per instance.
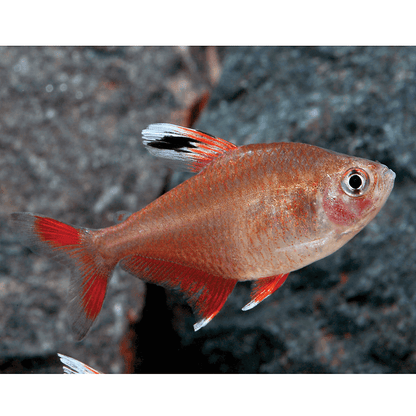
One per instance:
(388, 172)
(387, 179)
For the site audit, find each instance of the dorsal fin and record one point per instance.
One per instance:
(190, 149)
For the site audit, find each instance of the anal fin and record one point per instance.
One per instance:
(263, 288)
(205, 293)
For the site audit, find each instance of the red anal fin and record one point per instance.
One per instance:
(263, 288)
(205, 293)
(191, 149)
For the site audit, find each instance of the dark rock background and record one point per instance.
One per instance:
(74, 153)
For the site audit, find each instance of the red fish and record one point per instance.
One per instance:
(254, 212)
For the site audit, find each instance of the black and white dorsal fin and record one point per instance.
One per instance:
(190, 149)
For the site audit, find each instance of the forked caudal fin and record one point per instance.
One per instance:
(73, 247)
(190, 149)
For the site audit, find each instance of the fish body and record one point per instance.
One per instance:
(246, 224)
(254, 212)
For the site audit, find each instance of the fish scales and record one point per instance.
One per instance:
(254, 212)
(250, 210)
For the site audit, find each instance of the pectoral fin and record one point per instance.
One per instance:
(263, 288)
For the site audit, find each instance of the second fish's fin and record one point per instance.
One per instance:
(205, 293)
(73, 366)
(190, 149)
(263, 288)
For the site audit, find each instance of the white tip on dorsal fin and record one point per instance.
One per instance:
(75, 366)
(191, 149)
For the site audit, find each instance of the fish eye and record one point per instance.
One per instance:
(355, 182)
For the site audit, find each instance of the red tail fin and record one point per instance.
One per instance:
(74, 248)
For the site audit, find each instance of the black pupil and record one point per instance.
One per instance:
(355, 181)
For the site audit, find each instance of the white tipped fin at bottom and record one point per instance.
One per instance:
(263, 288)
(200, 324)
(75, 366)
(253, 303)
